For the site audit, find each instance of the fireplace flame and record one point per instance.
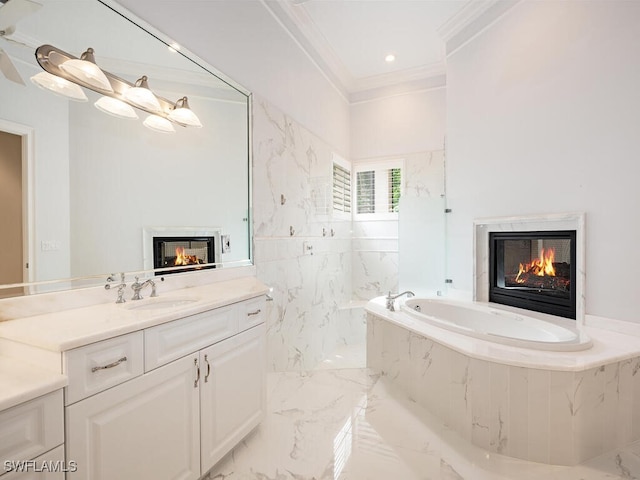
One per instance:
(541, 267)
(183, 259)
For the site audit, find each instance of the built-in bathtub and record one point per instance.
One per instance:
(498, 325)
(550, 393)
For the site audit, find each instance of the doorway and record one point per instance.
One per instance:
(15, 206)
(10, 209)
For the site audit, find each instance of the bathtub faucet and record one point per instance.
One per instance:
(391, 298)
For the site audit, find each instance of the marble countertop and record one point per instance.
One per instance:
(608, 346)
(67, 329)
(21, 382)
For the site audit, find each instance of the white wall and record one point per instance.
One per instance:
(124, 176)
(47, 115)
(243, 40)
(398, 125)
(542, 116)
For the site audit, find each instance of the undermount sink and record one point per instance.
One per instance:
(161, 304)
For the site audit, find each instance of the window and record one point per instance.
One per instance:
(378, 189)
(395, 185)
(341, 185)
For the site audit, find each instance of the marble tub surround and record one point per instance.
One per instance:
(550, 407)
(20, 382)
(67, 329)
(354, 425)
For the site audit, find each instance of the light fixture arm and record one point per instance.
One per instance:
(50, 58)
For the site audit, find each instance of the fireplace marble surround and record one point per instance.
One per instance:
(541, 223)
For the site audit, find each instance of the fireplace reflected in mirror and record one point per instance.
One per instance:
(194, 253)
(534, 270)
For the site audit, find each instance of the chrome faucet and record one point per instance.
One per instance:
(121, 286)
(137, 287)
(391, 298)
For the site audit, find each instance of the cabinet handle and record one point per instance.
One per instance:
(206, 377)
(110, 365)
(195, 362)
(253, 313)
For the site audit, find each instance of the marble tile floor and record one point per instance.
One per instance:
(345, 356)
(348, 424)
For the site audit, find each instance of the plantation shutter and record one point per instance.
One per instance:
(341, 189)
(366, 191)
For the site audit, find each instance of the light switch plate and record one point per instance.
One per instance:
(226, 243)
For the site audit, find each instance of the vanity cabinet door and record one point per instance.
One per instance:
(232, 392)
(147, 428)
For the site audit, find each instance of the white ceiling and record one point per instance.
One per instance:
(346, 39)
(349, 39)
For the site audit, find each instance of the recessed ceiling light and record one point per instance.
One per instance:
(390, 58)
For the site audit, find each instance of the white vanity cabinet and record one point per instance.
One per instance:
(232, 392)
(145, 428)
(202, 391)
(30, 433)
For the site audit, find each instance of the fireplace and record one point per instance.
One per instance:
(535, 270)
(191, 253)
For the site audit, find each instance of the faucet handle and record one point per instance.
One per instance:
(121, 288)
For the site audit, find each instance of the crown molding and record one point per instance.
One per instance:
(472, 19)
(297, 22)
(398, 89)
(400, 77)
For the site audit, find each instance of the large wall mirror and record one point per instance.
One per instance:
(84, 193)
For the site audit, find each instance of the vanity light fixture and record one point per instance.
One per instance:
(158, 124)
(141, 96)
(115, 107)
(122, 96)
(182, 114)
(59, 86)
(86, 71)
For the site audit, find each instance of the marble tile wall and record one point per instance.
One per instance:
(295, 252)
(547, 416)
(313, 311)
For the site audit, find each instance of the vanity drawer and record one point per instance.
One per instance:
(251, 313)
(96, 367)
(31, 428)
(173, 340)
(53, 470)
